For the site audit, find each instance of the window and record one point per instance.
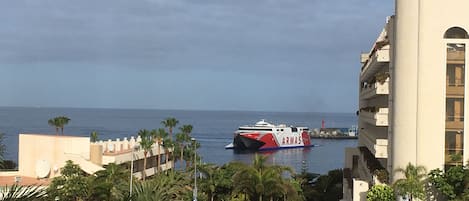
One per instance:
(454, 109)
(255, 129)
(454, 130)
(454, 147)
(455, 75)
(456, 32)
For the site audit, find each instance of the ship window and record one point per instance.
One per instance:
(255, 129)
(294, 129)
(281, 129)
(456, 32)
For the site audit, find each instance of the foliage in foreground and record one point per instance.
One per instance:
(322, 187)
(453, 184)
(233, 181)
(171, 185)
(72, 185)
(24, 193)
(413, 184)
(260, 181)
(381, 193)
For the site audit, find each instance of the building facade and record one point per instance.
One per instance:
(412, 95)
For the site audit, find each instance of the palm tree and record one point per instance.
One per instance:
(167, 145)
(181, 140)
(63, 121)
(159, 135)
(94, 136)
(55, 123)
(186, 129)
(146, 143)
(259, 180)
(412, 185)
(115, 177)
(58, 122)
(169, 186)
(209, 183)
(170, 123)
(190, 152)
(26, 193)
(217, 182)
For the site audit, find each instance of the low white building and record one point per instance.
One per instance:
(41, 156)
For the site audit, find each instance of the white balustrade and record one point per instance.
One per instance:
(110, 146)
(118, 145)
(125, 144)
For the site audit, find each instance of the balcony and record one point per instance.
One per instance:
(454, 156)
(377, 60)
(375, 139)
(454, 124)
(455, 56)
(376, 118)
(455, 88)
(375, 89)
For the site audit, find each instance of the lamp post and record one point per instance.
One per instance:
(194, 193)
(135, 147)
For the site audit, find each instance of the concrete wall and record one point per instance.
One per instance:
(405, 86)
(360, 188)
(53, 149)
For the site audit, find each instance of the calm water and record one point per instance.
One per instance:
(214, 129)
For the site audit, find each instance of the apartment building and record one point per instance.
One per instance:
(412, 95)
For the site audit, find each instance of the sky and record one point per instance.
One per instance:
(250, 55)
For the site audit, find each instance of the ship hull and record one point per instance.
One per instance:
(269, 141)
(245, 143)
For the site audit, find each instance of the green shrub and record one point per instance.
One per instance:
(380, 193)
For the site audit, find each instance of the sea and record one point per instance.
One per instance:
(213, 129)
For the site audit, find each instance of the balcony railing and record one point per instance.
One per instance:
(376, 141)
(455, 82)
(455, 57)
(374, 166)
(375, 62)
(375, 89)
(455, 87)
(377, 118)
(454, 122)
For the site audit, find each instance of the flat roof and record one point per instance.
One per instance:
(54, 135)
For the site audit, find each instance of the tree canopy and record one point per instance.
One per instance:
(59, 123)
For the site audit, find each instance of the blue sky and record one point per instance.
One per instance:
(262, 55)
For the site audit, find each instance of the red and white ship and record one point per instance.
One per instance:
(265, 136)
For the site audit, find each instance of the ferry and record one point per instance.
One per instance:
(266, 136)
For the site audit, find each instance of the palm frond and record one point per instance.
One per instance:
(24, 193)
